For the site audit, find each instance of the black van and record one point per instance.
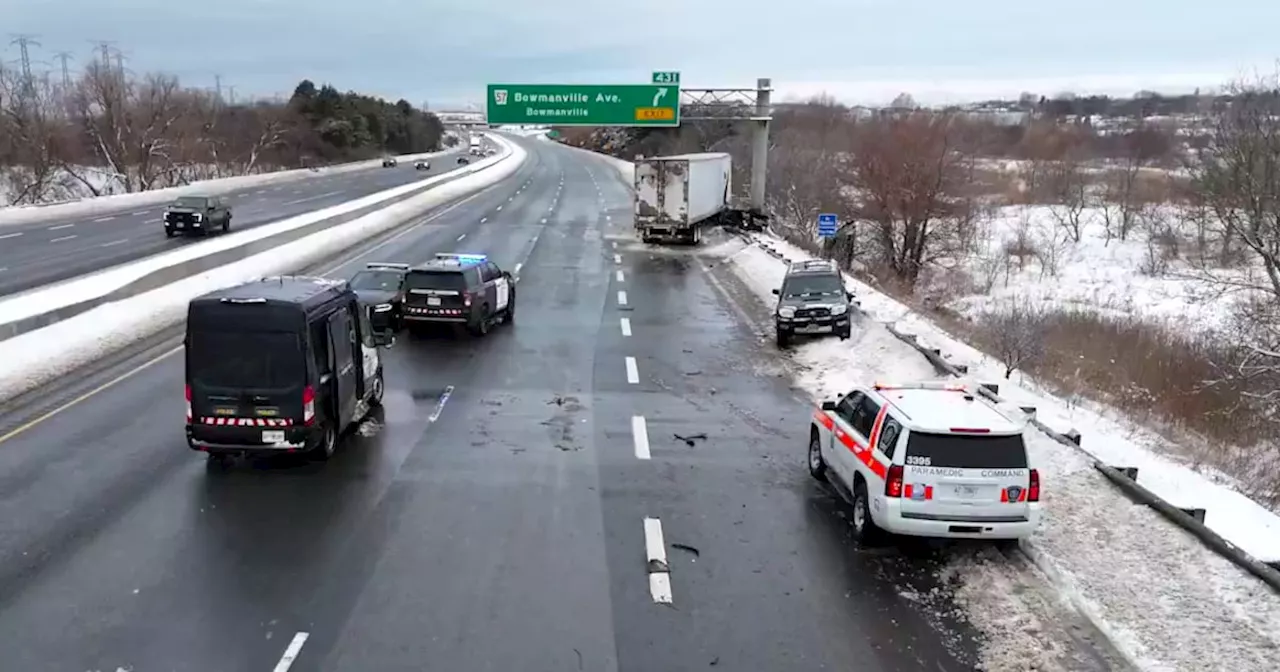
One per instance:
(279, 365)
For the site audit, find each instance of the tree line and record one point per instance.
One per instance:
(106, 130)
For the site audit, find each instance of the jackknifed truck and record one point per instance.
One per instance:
(676, 196)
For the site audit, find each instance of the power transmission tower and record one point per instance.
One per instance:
(104, 51)
(217, 89)
(65, 57)
(231, 95)
(25, 42)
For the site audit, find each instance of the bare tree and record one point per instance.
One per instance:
(1070, 186)
(905, 171)
(1016, 334)
(1236, 177)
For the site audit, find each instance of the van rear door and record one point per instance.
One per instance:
(246, 375)
(966, 477)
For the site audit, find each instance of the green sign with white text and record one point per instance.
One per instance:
(584, 104)
(666, 77)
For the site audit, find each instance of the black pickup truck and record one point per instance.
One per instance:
(197, 214)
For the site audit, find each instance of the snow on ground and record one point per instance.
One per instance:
(1164, 599)
(45, 299)
(1117, 277)
(1108, 435)
(35, 358)
(90, 206)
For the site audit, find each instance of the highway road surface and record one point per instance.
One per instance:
(39, 253)
(500, 512)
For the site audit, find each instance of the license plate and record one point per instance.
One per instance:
(433, 301)
(815, 329)
(966, 491)
(273, 436)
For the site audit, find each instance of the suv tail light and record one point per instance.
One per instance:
(1033, 486)
(893, 481)
(466, 299)
(308, 405)
(188, 395)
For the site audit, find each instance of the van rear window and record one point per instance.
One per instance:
(445, 280)
(966, 451)
(246, 359)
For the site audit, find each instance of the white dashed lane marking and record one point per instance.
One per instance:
(655, 550)
(626, 326)
(622, 297)
(633, 371)
(640, 436)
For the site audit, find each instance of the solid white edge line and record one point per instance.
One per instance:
(626, 326)
(622, 297)
(518, 267)
(640, 436)
(633, 371)
(655, 551)
(291, 652)
(619, 276)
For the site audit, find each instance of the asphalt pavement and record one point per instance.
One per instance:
(499, 513)
(39, 253)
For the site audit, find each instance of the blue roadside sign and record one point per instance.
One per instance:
(827, 225)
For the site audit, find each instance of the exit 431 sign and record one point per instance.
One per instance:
(666, 77)
(584, 104)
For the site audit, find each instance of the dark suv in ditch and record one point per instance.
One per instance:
(812, 301)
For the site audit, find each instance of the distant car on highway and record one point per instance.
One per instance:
(463, 160)
(380, 286)
(422, 164)
(389, 162)
(196, 214)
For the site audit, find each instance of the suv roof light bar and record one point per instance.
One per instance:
(385, 264)
(945, 386)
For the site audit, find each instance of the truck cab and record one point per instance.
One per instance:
(279, 365)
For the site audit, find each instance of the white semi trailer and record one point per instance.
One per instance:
(675, 196)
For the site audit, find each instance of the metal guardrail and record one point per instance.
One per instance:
(1124, 478)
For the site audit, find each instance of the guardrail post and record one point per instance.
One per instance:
(1074, 437)
(1197, 514)
(1030, 411)
(1130, 473)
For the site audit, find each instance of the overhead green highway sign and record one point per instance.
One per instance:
(666, 77)
(584, 104)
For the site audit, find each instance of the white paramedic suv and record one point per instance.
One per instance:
(927, 459)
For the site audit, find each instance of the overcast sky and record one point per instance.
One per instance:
(859, 50)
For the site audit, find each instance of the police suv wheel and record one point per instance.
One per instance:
(817, 467)
(481, 327)
(328, 443)
(784, 339)
(379, 389)
(511, 308)
(844, 335)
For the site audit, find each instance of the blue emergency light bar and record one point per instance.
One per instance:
(462, 257)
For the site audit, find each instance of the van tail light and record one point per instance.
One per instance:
(466, 299)
(1033, 486)
(893, 481)
(308, 405)
(188, 394)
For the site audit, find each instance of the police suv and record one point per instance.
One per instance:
(280, 365)
(928, 459)
(380, 286)
(459, 289)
